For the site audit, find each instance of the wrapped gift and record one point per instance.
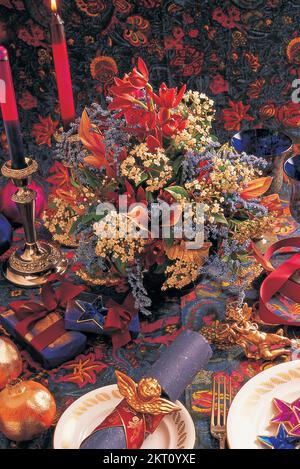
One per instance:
(39, 326)
(145, 404)
(96, 314)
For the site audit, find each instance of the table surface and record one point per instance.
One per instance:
(95, 367)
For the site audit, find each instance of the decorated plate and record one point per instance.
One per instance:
(252, 408)
(176, 431)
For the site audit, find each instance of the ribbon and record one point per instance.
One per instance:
(117, 321)
(31, 312)
(136, 425)
(279, 279)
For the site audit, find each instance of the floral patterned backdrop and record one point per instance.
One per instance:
(244, 53)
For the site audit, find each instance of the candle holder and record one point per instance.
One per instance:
(31, 265)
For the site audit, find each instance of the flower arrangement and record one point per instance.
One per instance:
(150, 150)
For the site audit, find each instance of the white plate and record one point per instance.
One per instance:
(176, 431)
(252, 409)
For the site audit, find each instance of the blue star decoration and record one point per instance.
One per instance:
(282, 440)
(92, 309)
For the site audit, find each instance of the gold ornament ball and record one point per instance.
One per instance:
(27, 409)
(10, 362)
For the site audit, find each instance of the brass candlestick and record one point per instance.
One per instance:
(31, 265)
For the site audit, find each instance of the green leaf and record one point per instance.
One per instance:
(74, 184)
(170, 241)
(234, 221)
(149, 197)
(86, 220)
(177, 165)
(52, 205)
(177, 192)
(58, 229)
(120, 266)
(219, 218)
(92, 180)
(143, 179)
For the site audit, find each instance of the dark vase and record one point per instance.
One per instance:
(292, 170)
(272, 145)
(153, 283)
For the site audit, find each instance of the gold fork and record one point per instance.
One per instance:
(220, 398)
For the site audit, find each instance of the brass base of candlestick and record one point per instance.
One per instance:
(31, 265)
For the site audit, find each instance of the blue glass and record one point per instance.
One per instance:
(292, 170)
(272, 145)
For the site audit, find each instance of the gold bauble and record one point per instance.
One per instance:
(10, 362)
(27, 409)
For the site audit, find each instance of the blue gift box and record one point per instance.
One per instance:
(63, 348)
(87, 313)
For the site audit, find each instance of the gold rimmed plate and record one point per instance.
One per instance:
(176, 431)
(252, 408)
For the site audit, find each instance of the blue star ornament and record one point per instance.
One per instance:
(282, 440)
(92, 309)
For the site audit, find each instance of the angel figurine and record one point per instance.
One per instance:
(240, 329)
(145, 396)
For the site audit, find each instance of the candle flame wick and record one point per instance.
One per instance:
(54, 6)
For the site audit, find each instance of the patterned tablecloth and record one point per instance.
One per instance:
(95, 367)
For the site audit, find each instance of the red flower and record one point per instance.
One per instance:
(59, 175)
(148, 115)
(44, 130)
(234, 115)
(173, 125)
(289, 114)
(127, 90)
(82, 371)
(154, 253)
(189, 60)
(168, 97)
(27, 101)
(219, 85)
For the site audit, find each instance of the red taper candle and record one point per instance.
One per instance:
(10, 113)
(62, 67)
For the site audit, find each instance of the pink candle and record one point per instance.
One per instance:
(62, 67)
(10, 114)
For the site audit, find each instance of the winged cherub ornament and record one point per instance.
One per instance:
(145, 396)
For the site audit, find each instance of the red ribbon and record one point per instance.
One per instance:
(30, 312)
(117, 321)
(278, 280)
